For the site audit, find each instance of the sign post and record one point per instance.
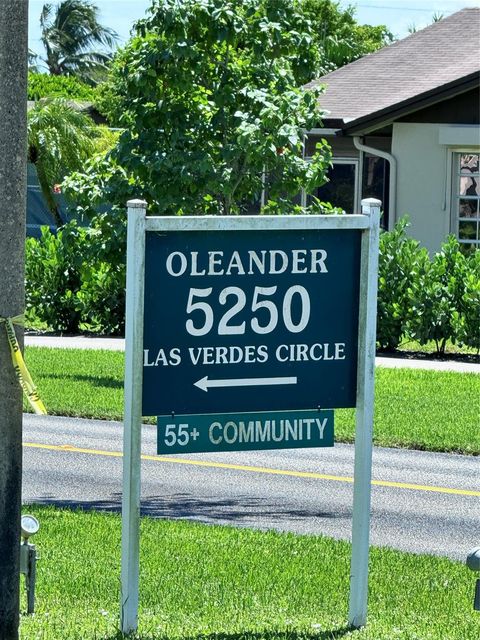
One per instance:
(244, 333)
(132, 415)
(357, 614)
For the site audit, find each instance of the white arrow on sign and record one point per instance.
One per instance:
(204, 384)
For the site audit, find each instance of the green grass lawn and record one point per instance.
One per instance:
(432, 410)
(221, 583)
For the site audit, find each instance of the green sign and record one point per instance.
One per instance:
(250, 321)
(244, 431)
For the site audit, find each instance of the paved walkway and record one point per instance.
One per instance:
(118, 344)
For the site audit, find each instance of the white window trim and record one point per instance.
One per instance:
(452, 188)
(341, 160)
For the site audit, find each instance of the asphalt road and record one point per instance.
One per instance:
(421, 502)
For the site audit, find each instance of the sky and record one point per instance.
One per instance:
(398, 15)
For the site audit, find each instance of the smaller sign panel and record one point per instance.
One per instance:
(244, 431)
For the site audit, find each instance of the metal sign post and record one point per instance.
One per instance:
(266, 322)
(357, 614)
(132, 415)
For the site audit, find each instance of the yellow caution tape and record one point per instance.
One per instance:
(21, 371)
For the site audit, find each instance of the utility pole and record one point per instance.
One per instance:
(13, 189)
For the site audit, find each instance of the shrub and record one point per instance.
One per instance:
(400, 261)
(42, 85)
(52, 277)
(436, 297)
(105, 102)
(102, 295)
(75, 280)
(102, 298)
(467, 317)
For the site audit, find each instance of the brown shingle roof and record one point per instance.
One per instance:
(424, 63)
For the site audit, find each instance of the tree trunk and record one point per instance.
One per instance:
(13, 183)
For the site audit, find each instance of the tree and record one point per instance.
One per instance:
(60, 139)
(436, 17)
(338, 35)
(70, 31)
(207, 93)
(13, 187)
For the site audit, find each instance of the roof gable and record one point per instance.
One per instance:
(435, 62)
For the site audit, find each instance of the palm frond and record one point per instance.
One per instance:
(59, 137)
(45, 15)
(72, 35)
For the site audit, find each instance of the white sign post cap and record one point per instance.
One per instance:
(369, 204)
(137, 204)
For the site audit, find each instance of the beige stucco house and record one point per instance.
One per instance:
(403, 124)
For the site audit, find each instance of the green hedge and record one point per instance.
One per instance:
(42, 85)
(400, 262)
(75, 280)
(427, 299)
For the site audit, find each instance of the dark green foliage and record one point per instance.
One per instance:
(75, 280)
(207, 94)
(41, 85)
(101, 298)
(425, 299)
(52, 277)
(105, 101)
(436, 297)
(338, 36)
(400, 261)
(467, 317)
(102, 294)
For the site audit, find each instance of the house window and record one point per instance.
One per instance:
(375, 183)
(466, 200)
(341, 189)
